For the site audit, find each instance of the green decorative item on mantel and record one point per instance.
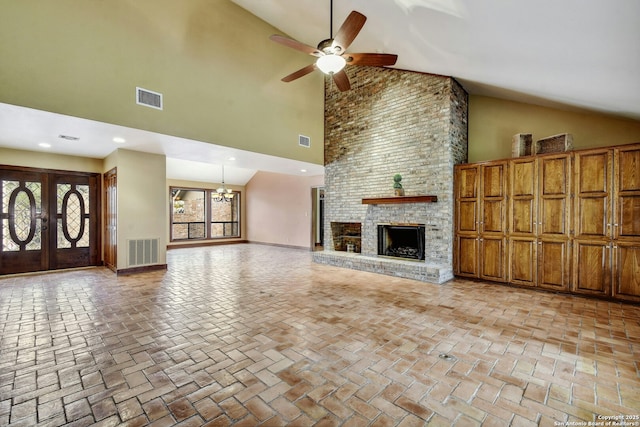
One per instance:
(397, 187)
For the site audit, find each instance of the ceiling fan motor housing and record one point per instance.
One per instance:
(329, 48)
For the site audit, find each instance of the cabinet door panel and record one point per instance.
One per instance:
(554, 216)
(553, 264)
(522, 261)
(467, 256)
(467, 219)
(627, 188)
(522, 203)
(493, 180)
(494, 198)
(628, 168)
(522, 214)
(627, 272)
(592, 267)
(467, 182)
(554, 176)
(629, 217)
(593, 194)
(554, 196)
(493, 216)
(593, 170)
(493, 254)
(592, 216)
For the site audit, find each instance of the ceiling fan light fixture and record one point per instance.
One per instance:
(331, 63)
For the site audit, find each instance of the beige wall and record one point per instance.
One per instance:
(213, 62)
(36, 159)
(142, 201)
(493, 122)
(208, 186)
(279, 209)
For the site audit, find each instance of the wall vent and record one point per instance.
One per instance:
(304, 141)
(148, 98)
(143, 252)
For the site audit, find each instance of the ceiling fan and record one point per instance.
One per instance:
(332, 53)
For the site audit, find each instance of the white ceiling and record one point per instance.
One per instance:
(563, 53)
(560, 53)
(26, 128)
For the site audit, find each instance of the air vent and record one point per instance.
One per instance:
(68, 137)
(143, 252)
(148, 98)
(304, 141)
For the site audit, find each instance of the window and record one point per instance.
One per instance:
(197, 215)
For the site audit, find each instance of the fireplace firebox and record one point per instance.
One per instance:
(401, 241)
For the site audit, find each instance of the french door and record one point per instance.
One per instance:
(48, 219)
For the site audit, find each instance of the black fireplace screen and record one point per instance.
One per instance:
(401, 241)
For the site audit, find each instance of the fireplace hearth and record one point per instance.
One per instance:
(401, 241)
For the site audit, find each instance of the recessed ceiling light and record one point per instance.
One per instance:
(119, 140)
(44, 145)
(232, 158)
(68, 137)
(303, 170)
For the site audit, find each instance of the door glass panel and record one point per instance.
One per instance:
(22, 229)
(73, 221)
(73, 212)
(22, 215)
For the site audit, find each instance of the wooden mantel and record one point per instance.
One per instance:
(399, 199)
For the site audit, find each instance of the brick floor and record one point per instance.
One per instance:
(258, 335)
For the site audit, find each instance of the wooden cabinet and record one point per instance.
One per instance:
(522, 221)
(567, 222)
(539, 221)
(593, 220)
(480, 197)
(554, 221)
(626, 223)
(607, 216)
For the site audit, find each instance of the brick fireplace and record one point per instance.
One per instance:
(393, 121)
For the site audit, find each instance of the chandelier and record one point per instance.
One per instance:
(223, 194)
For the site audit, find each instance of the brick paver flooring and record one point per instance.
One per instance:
(256, 335)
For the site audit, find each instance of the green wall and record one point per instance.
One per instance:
(213, 62)
(493, 122)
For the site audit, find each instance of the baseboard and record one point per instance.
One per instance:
(279, 245)
(207, 243)
(142, 269)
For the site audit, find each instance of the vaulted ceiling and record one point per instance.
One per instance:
(569, 53)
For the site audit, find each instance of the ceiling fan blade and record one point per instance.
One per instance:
(296, 45)
(300, 73)
(348, 31)
(373, 59)
(342, 80)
